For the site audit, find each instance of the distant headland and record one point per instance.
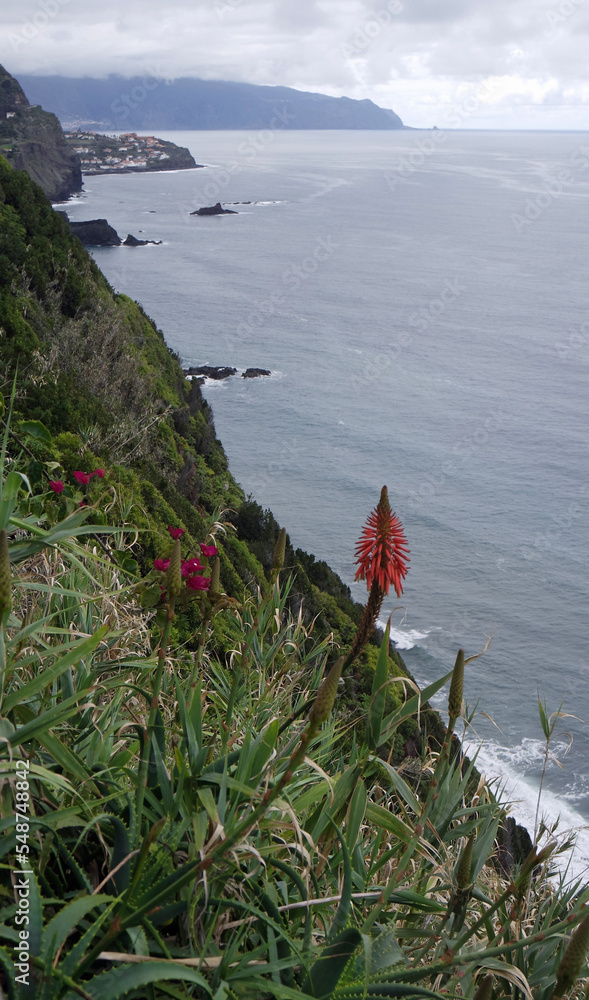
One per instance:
(127, 153)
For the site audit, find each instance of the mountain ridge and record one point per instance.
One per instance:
(190, 103)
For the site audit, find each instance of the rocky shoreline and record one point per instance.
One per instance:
(98, 233)
(218, 373)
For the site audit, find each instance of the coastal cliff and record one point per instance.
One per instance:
(89, 358)
(32, 139)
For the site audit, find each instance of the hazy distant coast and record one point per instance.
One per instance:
(150, 102)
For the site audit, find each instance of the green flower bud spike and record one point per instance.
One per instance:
(456, 689)
(464, 866)
(573, 959)
(173, 581)
(325, 698)
(215, 587)
(5, 598)
(279, 551)
(534, 858)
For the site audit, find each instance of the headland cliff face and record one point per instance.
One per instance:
(32, 139)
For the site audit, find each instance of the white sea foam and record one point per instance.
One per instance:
(404, 638)
(208, 383)
(507, 768)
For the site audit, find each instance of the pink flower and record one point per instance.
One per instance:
(161, 564)
(198, 582)
(208, 550)
(56, 485)
(100, 473)
(175, 532)
(191, 566)
(83, 478)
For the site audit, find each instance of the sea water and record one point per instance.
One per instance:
(421, 300)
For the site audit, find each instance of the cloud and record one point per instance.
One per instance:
(412, 55)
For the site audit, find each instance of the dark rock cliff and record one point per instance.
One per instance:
(32, 139)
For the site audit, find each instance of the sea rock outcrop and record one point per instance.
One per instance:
(95, 233)
(211, 371)
(214, 210)
(255, 372)
(132, 241)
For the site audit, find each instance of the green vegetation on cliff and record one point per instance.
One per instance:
(97, 373)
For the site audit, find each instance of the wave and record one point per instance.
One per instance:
(404, 638)
(507, 767)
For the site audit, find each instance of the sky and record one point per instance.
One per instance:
(515, 64)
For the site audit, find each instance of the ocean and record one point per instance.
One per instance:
(421, 300)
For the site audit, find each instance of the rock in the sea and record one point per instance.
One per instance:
(95, 233)
(214, 210)
(209, 371)
(255, 372)
(132, 241)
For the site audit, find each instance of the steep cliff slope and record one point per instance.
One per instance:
(97, 374)
(33, 140)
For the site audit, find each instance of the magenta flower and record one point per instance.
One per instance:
(56, 485)
(198, 582)
(100, 473)
(175, 532)
(191, 566)
(83, 478)
(208, 550)
(161, 564)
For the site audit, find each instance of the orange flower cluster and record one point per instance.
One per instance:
(382, 552)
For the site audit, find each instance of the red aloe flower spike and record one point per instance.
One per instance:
(382, 551)
(208, 550)
(175, 532)
(83, 478)
(56, 485)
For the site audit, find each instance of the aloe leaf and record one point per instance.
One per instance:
(381, 991)
(159, 778)
(116, 982)
(381, 817)
(400, 785)
(7, 965)
(343, 911)
(328, 968)
(342, 793)
(67, 920)
(71, 963)
(356, 814)
(410, 708)
(9, 496)
(49, 718)
(80, 648)
(283, 949)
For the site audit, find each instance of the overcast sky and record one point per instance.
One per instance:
(465, 63)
